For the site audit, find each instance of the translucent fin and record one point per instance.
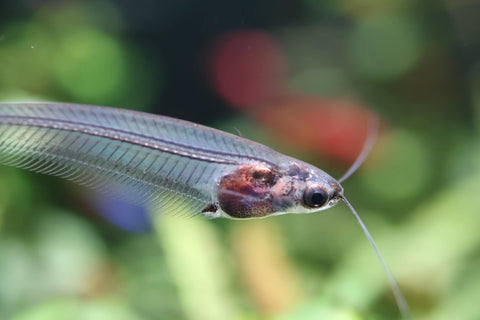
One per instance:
(134, 173)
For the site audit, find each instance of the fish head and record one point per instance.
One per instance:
(258, 190)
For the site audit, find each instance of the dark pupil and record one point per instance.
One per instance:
(315, 198)
(318, 198)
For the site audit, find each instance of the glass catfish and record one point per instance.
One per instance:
(177, 165)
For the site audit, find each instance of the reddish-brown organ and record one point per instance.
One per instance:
(247, 192)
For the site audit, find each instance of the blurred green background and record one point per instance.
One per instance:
(299, 76)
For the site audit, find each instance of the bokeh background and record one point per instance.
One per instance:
(299, 76)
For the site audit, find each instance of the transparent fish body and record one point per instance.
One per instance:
(156, 160)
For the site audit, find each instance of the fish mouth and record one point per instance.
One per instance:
(333, 201)
(336, 192)
(337, 195)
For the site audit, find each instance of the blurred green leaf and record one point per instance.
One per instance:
(385, 46)
(402, 169)
(91, 66)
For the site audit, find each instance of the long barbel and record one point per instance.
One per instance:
(177, 165)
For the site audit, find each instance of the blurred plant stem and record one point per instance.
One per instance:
(196, 264)
(265, 267)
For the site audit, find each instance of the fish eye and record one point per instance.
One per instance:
(315, 196)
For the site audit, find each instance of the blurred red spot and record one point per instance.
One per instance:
(335, 128)
(247, 68)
